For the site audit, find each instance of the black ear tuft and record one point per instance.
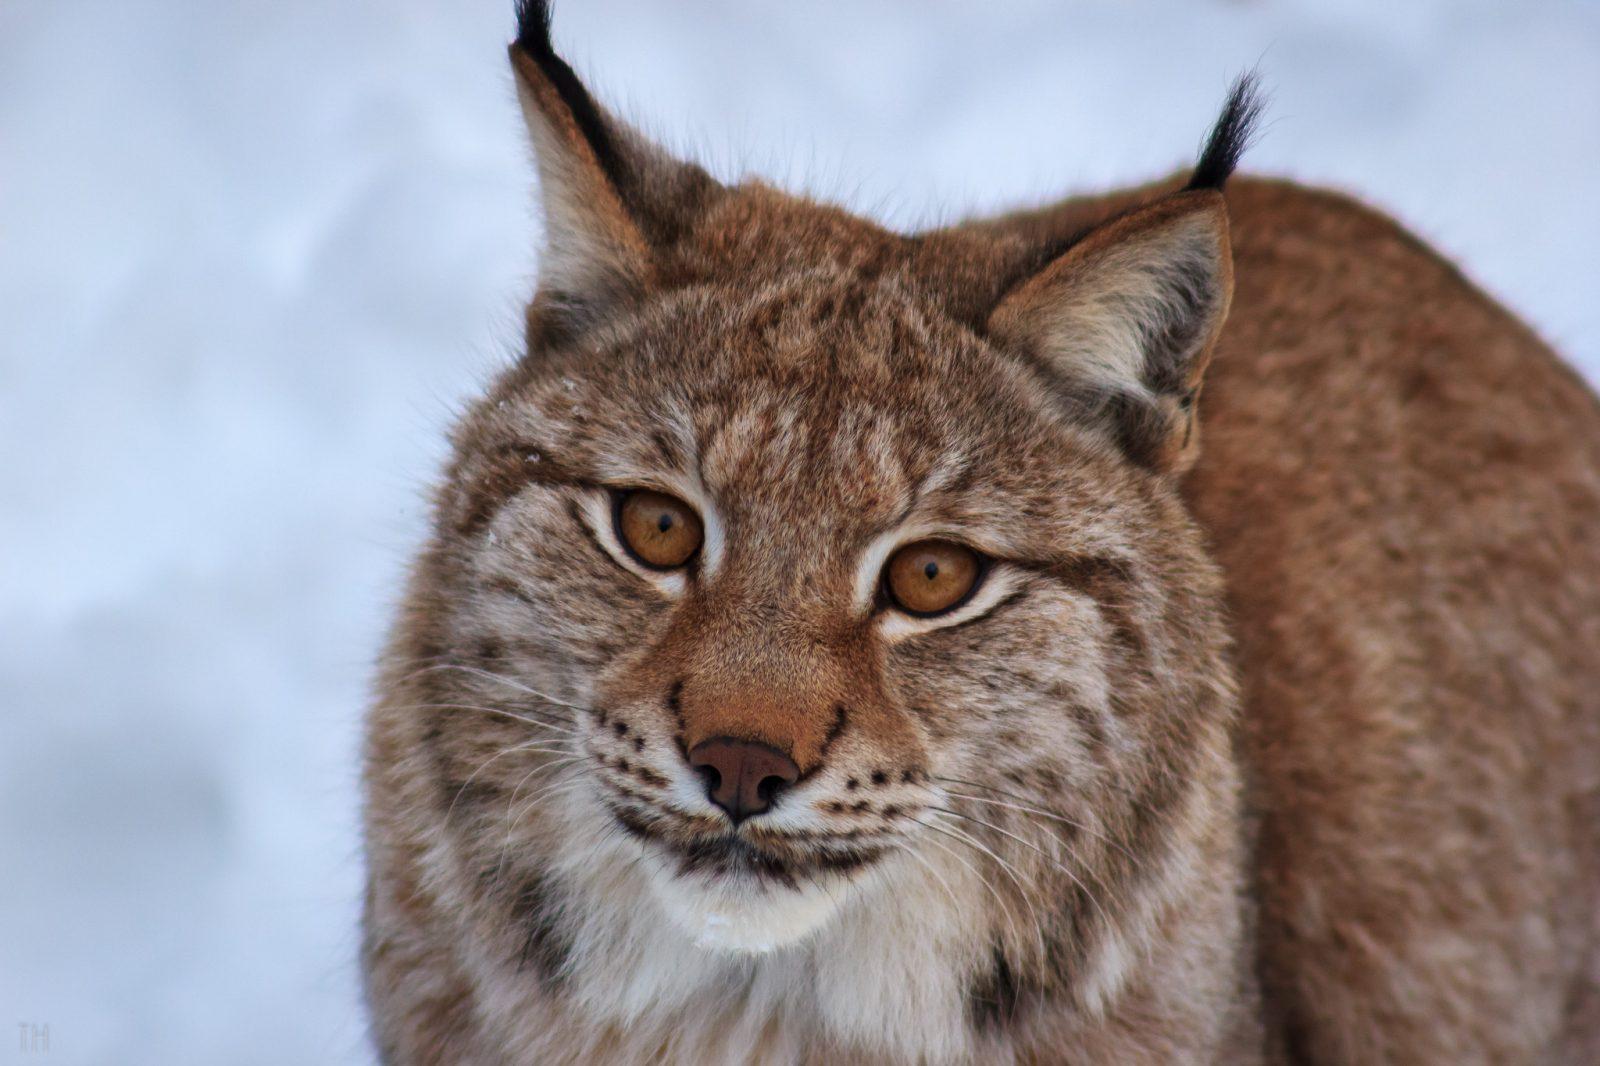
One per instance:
(533, 38)
(1230, 136)
(533, 26)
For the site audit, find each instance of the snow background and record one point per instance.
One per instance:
(253, 253)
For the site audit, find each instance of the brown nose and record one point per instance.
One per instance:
(742, 776)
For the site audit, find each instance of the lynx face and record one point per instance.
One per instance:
(798, 570)
(815, 429)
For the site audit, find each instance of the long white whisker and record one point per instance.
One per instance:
(548, 715)
(1099, 877)
(937, 876)
(1046, 855)
(1053, 817)
(532, 745)
(1005, 868)
(500, 679)
(1000, 903)
(489, 675)
(502, 712)
(562, 785)
(1115, 786)
(511, 821)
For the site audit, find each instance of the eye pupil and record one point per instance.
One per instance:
(930, 571)
(664, 523)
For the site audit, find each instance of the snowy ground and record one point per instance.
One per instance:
(252, 253)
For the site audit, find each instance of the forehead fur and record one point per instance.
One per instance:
(802, 356)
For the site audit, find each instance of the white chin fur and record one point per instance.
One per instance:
(742, 916)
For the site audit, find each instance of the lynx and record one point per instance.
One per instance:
(842, 646)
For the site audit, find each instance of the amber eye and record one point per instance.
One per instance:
(660, 531)
(932, 576)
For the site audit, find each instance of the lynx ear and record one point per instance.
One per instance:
(610, 198)
(1124, 321)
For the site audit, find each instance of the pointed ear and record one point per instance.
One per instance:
(610, 198)
(1124, 321)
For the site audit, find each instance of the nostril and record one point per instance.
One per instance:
(707, 763)
(768, 787)
(710, 776)
(743, 777)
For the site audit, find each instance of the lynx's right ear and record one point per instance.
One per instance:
(610, 198)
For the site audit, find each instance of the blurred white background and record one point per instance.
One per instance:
(253, 253)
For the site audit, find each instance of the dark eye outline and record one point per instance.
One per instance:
(888, 599)
(620, 497)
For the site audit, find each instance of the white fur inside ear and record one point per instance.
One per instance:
(1132, 309)
(589, 247)
(1142, 288)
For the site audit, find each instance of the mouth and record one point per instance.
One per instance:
(704, 850)
(747, 889)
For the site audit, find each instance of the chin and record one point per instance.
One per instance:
(751, 890)
(743, 913)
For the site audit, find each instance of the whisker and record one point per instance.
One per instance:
(511, 821)
(527, 711)
(532, 745)
(545, 713)
(567, 784)
(1029, 844)
(1119, 787)
(553, 727)
(489, 675)
(1047, 814)
(1010, 916)
(533, 798)
(1099, 877)
(512, 802)
(937, 876)
(1005, 868)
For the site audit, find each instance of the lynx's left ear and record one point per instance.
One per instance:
(1124, 321)
(612, 200)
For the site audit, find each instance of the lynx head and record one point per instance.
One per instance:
(797, 562)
